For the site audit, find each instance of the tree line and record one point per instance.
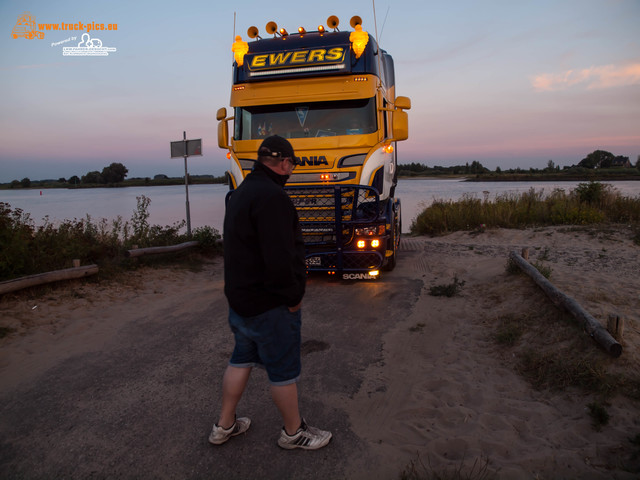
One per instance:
(114, 173)
(599, 159)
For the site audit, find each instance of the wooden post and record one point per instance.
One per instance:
(525, 253)
(138, 252)
(76, 262)
(42, 278)
(615, 325)
(590, 324)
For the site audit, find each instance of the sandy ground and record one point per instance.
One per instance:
(122, 380)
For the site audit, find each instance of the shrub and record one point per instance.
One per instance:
(591, 192)
(589, 203)
(448, 290)
(27, 250)
(208, 237)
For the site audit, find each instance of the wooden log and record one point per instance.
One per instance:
(139, 252)
(590, 324)
(42, 278)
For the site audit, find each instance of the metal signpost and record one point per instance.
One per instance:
(186, 148)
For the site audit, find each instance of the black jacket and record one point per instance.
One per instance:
(264, 259)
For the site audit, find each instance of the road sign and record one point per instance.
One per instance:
(186, 148)
(193, 148)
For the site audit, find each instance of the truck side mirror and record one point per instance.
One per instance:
(403, 102)
(223, 129)
(223, 134)
(400, 125)
(401, 119)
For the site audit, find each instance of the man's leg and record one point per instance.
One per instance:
(296, 434)
(286, 399)
(234, 382)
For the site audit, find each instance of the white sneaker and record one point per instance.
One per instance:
(308, 438)
(220, 435)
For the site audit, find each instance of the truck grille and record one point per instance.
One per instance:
(328, 218)
(324, 210)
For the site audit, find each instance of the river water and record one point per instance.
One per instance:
(206, 202)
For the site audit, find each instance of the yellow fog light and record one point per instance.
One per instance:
(361, 243)
(374, 273)
(375, 243)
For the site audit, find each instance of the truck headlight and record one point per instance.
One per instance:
(368, 231)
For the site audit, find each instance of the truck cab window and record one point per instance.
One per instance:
(313, 119)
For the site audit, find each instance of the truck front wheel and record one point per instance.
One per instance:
(390, 262)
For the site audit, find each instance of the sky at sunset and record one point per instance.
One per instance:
(509, 83)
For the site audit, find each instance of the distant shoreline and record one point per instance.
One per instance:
(205, 180)
(132, 182)
(528, 177)
(552, 178)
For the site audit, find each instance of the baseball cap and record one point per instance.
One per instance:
(276, 146)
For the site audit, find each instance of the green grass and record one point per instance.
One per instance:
(26, 249)
(447, 290)
(590, 203)
(4, 331)
(544, 270)
(552, 352)
(562, 370)
(509, 330)
(599, 415)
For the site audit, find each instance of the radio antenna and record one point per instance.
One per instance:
(234, 33)
(384, 22)
(379, 53)
(375, 21)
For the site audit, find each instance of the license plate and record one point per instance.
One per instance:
(314, 261)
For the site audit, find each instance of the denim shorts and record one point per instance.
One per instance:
(270, 340)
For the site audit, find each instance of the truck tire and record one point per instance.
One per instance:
(390, 262)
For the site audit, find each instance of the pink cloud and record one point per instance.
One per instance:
(606, 76)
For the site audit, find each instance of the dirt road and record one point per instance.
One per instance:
(137, 399)
(124, 381)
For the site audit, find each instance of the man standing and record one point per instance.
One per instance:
(265, 275)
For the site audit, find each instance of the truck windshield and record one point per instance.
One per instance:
(313, 119)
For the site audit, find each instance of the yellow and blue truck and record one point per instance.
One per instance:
(331, 93)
